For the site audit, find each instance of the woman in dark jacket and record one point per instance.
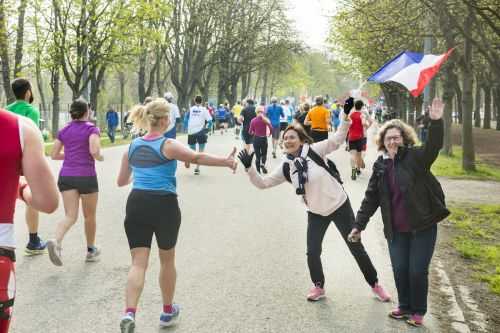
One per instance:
(412, 203)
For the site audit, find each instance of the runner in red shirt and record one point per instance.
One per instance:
(21, 153)
(357, 139)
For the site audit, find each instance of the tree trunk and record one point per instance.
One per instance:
(141, 79)
(20, 38)
(468, 158)
(245, 85)
(263, 96)
(448, 93)
(4, 55)
(257, 83)
(458, 93)
(55, 86)
(39, 82)
(411, 110)
(487, 107)
(477, 105)
(496, 105)
(121, 79)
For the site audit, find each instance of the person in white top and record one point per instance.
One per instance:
(319, 185)
(199, 117)
(175, 114)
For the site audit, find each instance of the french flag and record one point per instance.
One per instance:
(412, 70)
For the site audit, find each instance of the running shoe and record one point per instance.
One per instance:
(416, 320)
(380, 293)
(358, 172)
(399, 314)
(93, 255)
(32, 249)
(274, 154)
(55, 252)
(169, 319)
(264, 170)
(353, 174)
(316, 293)
(127, 325)
(196, 171)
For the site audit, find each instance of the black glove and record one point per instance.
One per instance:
(348, 105)
(245, 158)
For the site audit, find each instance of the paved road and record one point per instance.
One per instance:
(240, 258)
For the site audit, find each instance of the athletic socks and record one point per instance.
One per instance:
(34, 238)
(131, 310)
(168, 308)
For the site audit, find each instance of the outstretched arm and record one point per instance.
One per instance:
(175, 150)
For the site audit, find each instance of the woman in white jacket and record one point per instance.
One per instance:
(320, 187)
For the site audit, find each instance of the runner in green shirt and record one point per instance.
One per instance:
(23, 106)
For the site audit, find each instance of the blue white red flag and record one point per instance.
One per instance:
(412, 70)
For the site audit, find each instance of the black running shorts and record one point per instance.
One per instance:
(83, 184)
(149, 213)
(247, 137)
(357, 145)
(197, 138)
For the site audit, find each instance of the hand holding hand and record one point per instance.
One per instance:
(245, 158)
(436, 110)
(354, 236)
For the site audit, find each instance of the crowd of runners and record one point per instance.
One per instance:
(301, 137)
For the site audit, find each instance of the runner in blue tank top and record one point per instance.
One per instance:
(274, 111)
(152, 207)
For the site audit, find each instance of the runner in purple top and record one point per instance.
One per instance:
(77, 178)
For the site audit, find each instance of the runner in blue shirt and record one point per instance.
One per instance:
(274, 111)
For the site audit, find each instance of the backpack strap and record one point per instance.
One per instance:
(286, 172)
(331, 168)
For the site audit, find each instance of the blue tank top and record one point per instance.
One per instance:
(151, 170)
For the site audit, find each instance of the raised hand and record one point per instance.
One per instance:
(245, 158)
(231, 161)
(354, 236)
(436, 110)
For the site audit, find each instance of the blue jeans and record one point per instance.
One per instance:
(111, 133)
(411, 254)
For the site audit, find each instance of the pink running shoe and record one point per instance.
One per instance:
(399, 314)
(416, 320)
(316, 293)
(380, 293)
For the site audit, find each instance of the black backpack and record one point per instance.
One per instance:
(331, 167)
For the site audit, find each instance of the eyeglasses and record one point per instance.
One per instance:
(393, 138)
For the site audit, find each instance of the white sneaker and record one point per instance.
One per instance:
(55, 252)
(127, 325)
(93, 255)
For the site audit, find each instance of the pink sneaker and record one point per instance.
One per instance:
(315, 294)
(399, 314)
(380, 293)
(416, 320)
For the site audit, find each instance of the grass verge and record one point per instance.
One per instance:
(477, 234)
(105, 142)
(451, 166)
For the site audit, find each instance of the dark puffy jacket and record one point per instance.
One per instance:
(424, 197)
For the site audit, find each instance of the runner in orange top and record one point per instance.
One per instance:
(319, 120)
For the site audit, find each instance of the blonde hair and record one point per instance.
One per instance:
(146, 116)
(407, 132)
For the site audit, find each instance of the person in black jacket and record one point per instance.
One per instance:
(412, 203)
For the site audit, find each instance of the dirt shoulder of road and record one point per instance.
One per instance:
(458, 268)
(486, 143)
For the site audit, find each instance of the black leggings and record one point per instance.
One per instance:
(260, 148)
(316, 229)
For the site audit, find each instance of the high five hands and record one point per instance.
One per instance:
(436, 110)
(231, 162)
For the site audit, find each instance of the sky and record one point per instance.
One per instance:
(311, 20)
